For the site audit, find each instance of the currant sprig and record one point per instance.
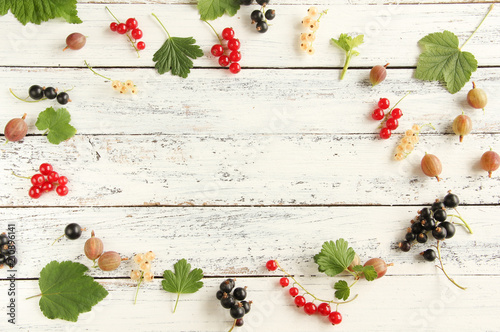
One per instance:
(410, 139)
(129, 38)
(117, 85)
(389, 113)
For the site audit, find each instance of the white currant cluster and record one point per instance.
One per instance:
(311, 21)
(144, 273)
(408, 142)
(124, 87)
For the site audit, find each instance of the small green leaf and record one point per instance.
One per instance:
(57, 124)
(183, 280)
(370, 273)
(357, 268)
(347, 43)
(334, 257)
(212, 9)
(38, 11)
(342, 290)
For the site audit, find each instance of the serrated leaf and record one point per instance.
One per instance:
(183, 280)
(347, 43)
(211, 9)
(357, 268)
(442, 60)
(335, 257)
(66, 291)
(56, 123)
(342, 290)
(370, 273)
(38, 11)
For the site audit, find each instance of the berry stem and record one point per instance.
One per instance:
(464, 222)
(218, 37)
(324, 12)
(129, 38)
(232, 327)
(311, 294)
(88, 66)
(57, 240)
(138, 286)
(26, 101)
(488, 13)
(161, 24)
(19, 176)
(176, 301)
(442, 268)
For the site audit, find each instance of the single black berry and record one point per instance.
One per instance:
(440, 215)
(429, 255)
(450, 229)
(270, 14)
(73, 231)
(439, 233)
(4, 250)
(437, 205)
(4, 239)
(425, 213)
(239, 322)
(227, 286)
(422, 238)
(247, 306)
(417, 228)
(36, 92)
(451, 200)
(256, 16)
(227, 301)
(240, 293)
(237, 311)
(404, 246)
(262, 26)
(263, 2)
(410, 237)
(219, 295)
(63, 98)
(429, 225)
(11, 261)
(50, 93)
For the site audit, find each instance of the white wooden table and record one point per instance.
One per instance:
(229, 171)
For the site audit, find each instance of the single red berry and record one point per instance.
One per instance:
(284, 282)
(378, 114)
(122, 29)
(63, 180)
(235, 68)
(294, 291)
(324, 309)
(385, 133)
(37, 179)
(136, 34)
(113, 26)
(271, 265)
(62, 190)
(224, 60)
(234, 44)
(217, 50)
(300, 301)
(47, 186)
(310, 308)
(45, 168)
(131, 23)
(235, 56)
(335, 318)
(397, 113)
(35, 192)
(384, 103)
(141, 45)
(392, 123)
(228, 33)
(52, 177)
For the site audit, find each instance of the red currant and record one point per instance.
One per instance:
(47, 186)
(52, 177)
(234, 44)
(310, 308)
(396, 113)
(235, 56)
(217, 50)
(385, 133)
(122, 29)
(63, 180)
(228, 33)
(300, 301)
(294, 291)
(224, 60)
(392, 123)
(324, 309)
(235, 68)
(37, 179)
(284, 282)
(141, 45)
(272, 265)
(378, 114)
(136, 34)
(131, 23)
(45, 168)
(62, 190)
(35, 192)
(335, 318)
(113, 26)
(384, 103)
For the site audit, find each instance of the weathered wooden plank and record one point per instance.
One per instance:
(255, 101)
(392, 33)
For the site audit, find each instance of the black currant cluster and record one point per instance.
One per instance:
(235, 302)
(7, 251)
(260, 16)
(36, 92)
(431, 220)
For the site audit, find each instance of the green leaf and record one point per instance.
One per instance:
(342, 290)
(57, 124)
(175, 55)
(370, 273)
(442, 60)
(38, 11)
(183, 280)
(348, 44)
(66, 291)
(334, 257)
(211, 9)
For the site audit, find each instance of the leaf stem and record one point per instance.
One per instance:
(88, 66)
(31, 297)
(442, 268)
(129, 38)
(57, 240)
(176, 301)
(346, 65)
(465, 223)
(218, 37)
(309, 293)
(26, 101)
(484, 18)
(138, 286)
(161, 24)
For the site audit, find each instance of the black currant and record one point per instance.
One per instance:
(429, 225)
(237, 311)
(247, 306)
(437, 205)
(2, 259)
(404, 246)
(11, 261)
(73, 231)
(425, 213)
(451, 200)
(422, 238)
(270, 14)
(4, 239)
(240, 293)
(4, 250)
(50, 93)
(36, 92)
(256, 16)
(227, 286)
(410, 237)
(262, 27)
(63, 98)
(440, 215)
(246, 2)
(429, 255)
(227, 301)
(239, 322)
(450, 229)
(219, 295)
(263, 2)
(417, 228)
(439, 233)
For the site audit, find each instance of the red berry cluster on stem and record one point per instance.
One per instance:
(230, 54)
(46, 181)
(131, 26)
(390, 120)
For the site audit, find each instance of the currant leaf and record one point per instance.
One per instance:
(183, 280)
(334, 257)
(56, 123)
(211, 9)
(38, 11)
(342, 290)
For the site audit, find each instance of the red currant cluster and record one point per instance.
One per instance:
(46, 181)
(300, 301)
(130, 26)
(233, 46)
(389, 120)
